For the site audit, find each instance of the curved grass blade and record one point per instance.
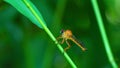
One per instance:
(22, 8)
(41, 24)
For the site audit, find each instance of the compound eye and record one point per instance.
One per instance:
(61, 31)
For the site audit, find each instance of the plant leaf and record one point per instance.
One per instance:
(24, 9)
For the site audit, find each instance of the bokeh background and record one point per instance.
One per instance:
(24, 45)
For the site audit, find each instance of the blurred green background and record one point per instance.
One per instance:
(24, 45)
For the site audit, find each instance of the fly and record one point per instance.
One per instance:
(67, 35)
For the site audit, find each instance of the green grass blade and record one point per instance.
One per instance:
(23, 9)
(41, 23)
(103, 34)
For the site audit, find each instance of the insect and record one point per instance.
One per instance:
(67, 35)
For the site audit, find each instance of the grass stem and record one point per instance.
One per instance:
(50, 34)
(103, 34)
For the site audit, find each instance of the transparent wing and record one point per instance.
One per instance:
(79, 43)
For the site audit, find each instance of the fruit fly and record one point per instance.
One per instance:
(67, 35)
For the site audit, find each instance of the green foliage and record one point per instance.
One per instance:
(32, 10)
(24, 45)
(103, 34)
(20, 5)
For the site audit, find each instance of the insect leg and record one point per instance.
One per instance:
(67, 46)
(59, 37)
(63, 41)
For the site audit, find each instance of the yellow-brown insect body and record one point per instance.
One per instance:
(78, 43)
(67, 34)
